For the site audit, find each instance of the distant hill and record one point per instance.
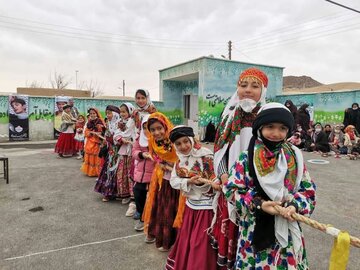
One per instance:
(342, 86)
(299, 82)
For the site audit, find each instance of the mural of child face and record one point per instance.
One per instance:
(81, 118)
(275, 132)
(18, 107)
(140, 100)
(68, 110)
(157, 130)
(60, 105)
(249, 88)
(183, 145)
(124, 112)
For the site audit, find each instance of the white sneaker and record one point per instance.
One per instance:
(125, 200)
(131, 210)
(139, 227)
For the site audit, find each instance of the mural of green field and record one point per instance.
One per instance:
(328, 117)
(175, 116)
(209, 112)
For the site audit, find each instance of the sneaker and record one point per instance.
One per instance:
(131, 210)
(125, 201)
(163, 249)
(149, 239)
(136, 215)
(139, 226)
(79, 157)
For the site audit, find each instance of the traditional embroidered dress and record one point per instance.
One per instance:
(266, 241)
(232, 137)
(91, 164)
(126, 131)
(162, 200)
(66, 143)
(107, 181)
(192, 249)
(79, 136)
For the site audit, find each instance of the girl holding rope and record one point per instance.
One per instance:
(271, 174)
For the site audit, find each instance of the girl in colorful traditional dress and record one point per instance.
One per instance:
(107, 181)
(232, 137)
(124, 136)
(66, 143)
(144, 166)
(271, 174)
(93, 129)
(79, 136)
(193, 174)
(162, 201)
(144, 106)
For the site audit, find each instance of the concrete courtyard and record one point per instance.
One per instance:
(69, 227)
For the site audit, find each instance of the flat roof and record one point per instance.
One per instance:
(215, 58)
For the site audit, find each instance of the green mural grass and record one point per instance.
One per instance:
(175, 116)
(328, 117)
(209, 111)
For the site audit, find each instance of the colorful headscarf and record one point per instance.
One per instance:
(234, 119)
(92, 124)
(160, 152)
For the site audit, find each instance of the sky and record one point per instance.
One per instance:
(108, 41)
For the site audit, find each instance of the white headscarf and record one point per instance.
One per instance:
(130, 107)
(113, 123)
(143, 139)
(148, 100)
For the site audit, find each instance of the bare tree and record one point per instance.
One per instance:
(59, 81)
(95, 87)
(34, 84)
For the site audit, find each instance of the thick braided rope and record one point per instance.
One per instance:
(328, 229)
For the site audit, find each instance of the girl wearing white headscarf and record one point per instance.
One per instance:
(232, 137)
(124, 137)
(144, 106)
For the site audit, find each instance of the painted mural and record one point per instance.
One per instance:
(42, 112)
(328, 108)
(18, 117)
(217, 80)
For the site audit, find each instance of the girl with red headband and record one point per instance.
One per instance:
(233, 137)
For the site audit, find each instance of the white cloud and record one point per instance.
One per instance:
(27, 55)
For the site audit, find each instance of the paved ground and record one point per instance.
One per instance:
(75, 230)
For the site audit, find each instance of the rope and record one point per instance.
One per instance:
(326, 228)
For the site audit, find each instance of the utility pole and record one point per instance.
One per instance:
(76, 77)
(230, 43)
(123, 88)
